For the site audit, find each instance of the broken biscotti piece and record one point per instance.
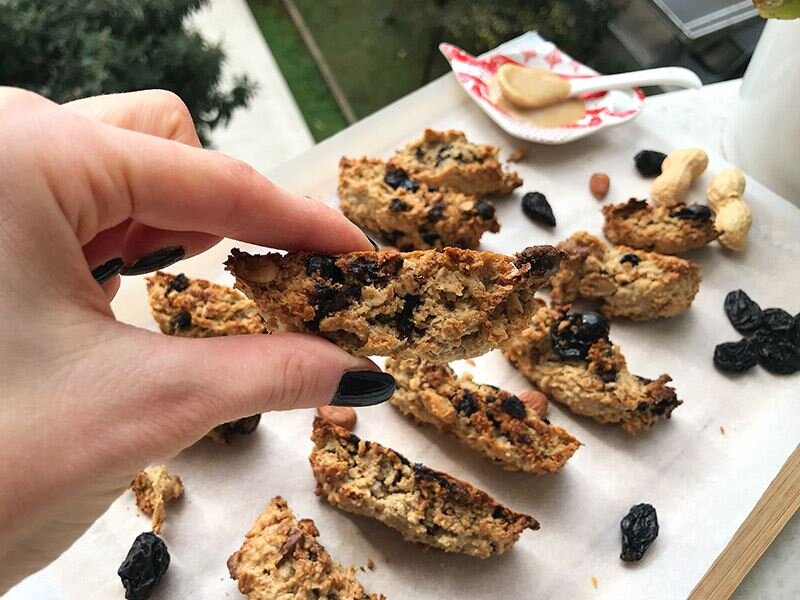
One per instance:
(447, 159)
(440, 305)
(281, 559)
(569, 357)
(659, 228)
(492, 421)
(631, 283)
(154, 487)
(198, 308)
(424, 505)
(407, 214)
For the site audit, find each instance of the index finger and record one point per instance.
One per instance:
(168, 185)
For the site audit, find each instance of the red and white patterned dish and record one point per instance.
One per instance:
(603, 109)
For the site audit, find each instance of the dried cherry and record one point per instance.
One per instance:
(648, 162)
(744, 314)
(144, 566)
(639, 530)
(536, 207)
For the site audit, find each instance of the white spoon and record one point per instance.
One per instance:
(532, 87)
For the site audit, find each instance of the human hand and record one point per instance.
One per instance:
(87, 401)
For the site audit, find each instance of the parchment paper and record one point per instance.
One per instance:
(702, 482)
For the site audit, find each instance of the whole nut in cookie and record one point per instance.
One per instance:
(599, 184)
(733, 217)
(536, 401)
(343, 416)
(678, 170)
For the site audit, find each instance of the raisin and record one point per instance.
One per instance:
(629, 258)
(435, 213)
(142, 569)
(366, 270)
(397, 205)
(484, 209)
(744, 314)
(397, 178)
(325, 266)
(699, 212)
(572, 336)
(178, 284)
(776, 319)
(500, 513)
(431, 238)
(794, 331)
(403, 321)
(182, 321)
(639, 530)
(243, 426)
(536, 207)
(514, 407)
(735, 357)
(648, 162)
(444, 153)
(327, 300)
(607, 374)
(778, 355)
(467, 405)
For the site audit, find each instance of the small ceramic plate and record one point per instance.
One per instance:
(603, 109)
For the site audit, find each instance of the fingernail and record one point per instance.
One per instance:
(363, 388)
(371, 241)
(107, 270)
(155, 260)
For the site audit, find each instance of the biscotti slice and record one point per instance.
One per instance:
(631, 283)
(407, 214)
(492, 421)
(448, 159)
(435, 304)
(424, 505)
(659, 228)
(569, 356)
(281, 559)
(197, 308)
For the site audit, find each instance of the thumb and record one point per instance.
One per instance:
(178, 389)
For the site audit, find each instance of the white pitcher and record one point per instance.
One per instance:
(762, 137)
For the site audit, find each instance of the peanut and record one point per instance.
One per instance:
(732, 215)
(343, 416)
(536, 401)
(678, 170)
(599, 184)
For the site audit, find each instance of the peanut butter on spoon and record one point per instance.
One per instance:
(531, 87)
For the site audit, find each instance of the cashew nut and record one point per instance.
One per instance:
(732, 215)
(678, 170)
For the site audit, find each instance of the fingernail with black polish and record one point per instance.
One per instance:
(363, 388)
(373, 242)
(156, 260)
(107, 270)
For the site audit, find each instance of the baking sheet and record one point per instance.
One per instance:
(703, 483)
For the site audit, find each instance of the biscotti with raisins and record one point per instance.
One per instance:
(658, 228)
(425, 506)
(447, 159)
(440, 305)
(630, 283)
(281, 559)
(407, 214)
(490, 420)
(569, 356)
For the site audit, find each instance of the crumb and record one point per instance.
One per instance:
(594, 582)
(519, 154)
(154, 487)
(722, 430)
(370, 564)
(470, 362)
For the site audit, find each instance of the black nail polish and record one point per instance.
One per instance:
(363, 388)
(373, 242)
(107, 270)
(155, 260)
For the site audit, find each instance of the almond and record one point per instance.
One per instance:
(343, 416)
(599, 184)
(536, 401)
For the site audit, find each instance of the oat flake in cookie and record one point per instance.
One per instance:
(425, 506)
(438, 305)
(281, 559)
